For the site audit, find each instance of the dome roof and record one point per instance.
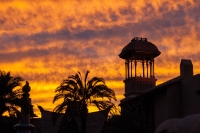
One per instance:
(188, 124)
(139, 48)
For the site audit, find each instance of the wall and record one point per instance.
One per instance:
(167, 103)
(160, 108)
(190, 99)
(174, 100)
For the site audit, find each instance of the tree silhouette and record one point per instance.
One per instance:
(87, 92)
(9, 93)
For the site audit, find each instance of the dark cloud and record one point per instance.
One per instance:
(67, 50)
(149, 11)
(176, 17)
(194, 12)
(127, 11)
(113, 16)
(85, 34)
(164, 7)
(45, 37)
(100, 16)
(2, 20)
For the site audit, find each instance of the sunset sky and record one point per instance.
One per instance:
(46, 41)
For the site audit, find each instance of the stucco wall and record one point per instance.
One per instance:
(174, 100)
(190, 99)
(167, 103)
(177, 100)
(160, 108)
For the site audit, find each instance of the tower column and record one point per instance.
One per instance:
(128, 69)
(135, 68)
(125, 70)
(143, 67)
(147, 68)
(131, 69)
(150, 68)
(153, 69)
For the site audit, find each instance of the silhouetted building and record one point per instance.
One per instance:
(69, 122)
(175, 98)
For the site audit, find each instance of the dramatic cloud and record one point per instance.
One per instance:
(46, 41)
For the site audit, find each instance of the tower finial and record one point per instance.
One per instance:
(26, 87)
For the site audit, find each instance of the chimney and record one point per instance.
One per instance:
(186, 68)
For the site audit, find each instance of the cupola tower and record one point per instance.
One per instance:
(139, 57)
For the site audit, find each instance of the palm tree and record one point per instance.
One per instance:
(9, 93)
(87, 92)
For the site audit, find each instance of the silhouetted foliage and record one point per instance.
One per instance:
(9, 93)
(87, 92)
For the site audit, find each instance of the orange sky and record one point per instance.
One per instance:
(45, 42)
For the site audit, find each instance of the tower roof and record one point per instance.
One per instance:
(139, 48)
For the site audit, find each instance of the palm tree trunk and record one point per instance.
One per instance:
(84, 112)
(1, 113)
(1, 121)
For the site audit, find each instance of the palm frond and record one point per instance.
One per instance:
(101, 105)
(86, 75)
(93, 82)
(9, 93)
(58, 96)
(102, 91)
(14, 112)
(66, 85)
(78, 79)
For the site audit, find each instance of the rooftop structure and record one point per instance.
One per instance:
(139, 50)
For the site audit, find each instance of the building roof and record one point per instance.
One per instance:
(139, 47)
(155, 89)
(94, 122)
